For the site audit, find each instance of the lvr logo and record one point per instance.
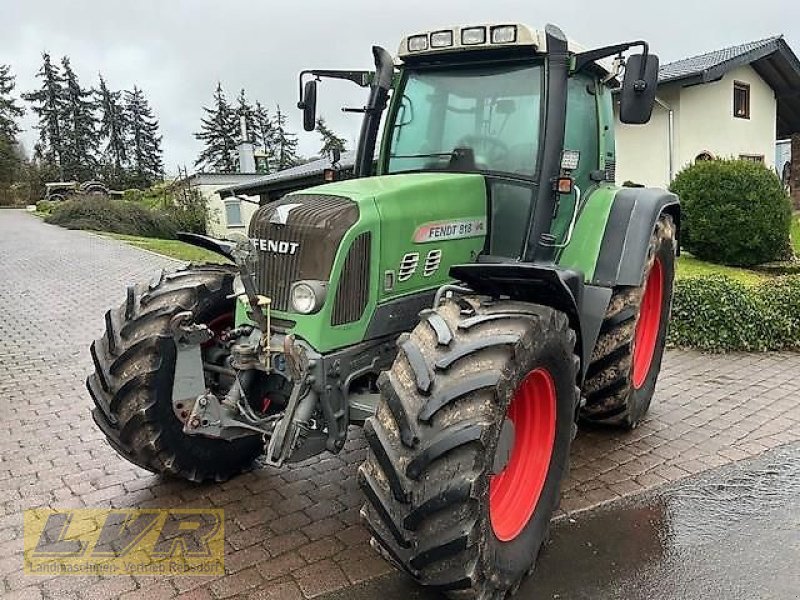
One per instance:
(124, 541)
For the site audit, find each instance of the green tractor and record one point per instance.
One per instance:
(468, 297)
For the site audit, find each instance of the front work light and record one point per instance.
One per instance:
(473, 36)
(504, 34)
(417, 43)
(570, 159)
(441, 39)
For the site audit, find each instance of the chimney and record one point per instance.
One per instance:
(247, 159)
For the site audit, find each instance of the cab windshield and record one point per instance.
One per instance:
(478, 118)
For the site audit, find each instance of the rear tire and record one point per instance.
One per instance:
(621, 379)
(438, 439)
(135, 368)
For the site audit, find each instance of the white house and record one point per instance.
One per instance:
(224, 216)
(734, 102)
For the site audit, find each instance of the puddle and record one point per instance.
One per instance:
(731, 534)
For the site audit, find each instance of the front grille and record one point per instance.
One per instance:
(352, 292)
(297, 238)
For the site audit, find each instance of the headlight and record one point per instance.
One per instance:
(308, 296)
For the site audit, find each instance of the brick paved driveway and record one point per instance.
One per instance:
(292, 533)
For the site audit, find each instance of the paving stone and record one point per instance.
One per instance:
(296, 530)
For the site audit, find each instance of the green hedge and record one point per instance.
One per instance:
(116, 216)
(734, 212)
(720, 314)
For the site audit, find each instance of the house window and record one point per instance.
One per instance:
(756, 158)
(741, 100)
(233, 213)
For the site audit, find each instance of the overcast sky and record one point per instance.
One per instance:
(176, 50)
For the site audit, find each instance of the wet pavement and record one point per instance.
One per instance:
(732, 533)
(295, 533)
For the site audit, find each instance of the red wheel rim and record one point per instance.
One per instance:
(647, 329)
(514, 492)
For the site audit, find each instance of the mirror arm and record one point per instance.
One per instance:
(360, 78)
(584, 59)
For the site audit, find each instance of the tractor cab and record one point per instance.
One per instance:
(529, 110)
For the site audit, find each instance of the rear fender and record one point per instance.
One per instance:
(630, 224)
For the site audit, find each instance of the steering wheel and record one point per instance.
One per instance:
(497, 150)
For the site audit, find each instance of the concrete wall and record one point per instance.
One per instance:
(704, 122)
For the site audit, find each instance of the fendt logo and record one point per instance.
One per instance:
(275, 247)
(124, 542)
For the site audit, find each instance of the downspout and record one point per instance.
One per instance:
(671, 134)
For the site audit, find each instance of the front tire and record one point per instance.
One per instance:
(135, 368)
(470, 444)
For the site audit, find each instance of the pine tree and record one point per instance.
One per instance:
(330, 141)
(144, 151)
(113, 131)
(48, 104)
(79, 130)
(219, 132)
(10, 111)
(285, 143)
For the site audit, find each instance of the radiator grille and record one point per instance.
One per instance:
(352, 292)
(311, 224)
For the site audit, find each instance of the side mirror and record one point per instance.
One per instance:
(638, 94)
(309, 105)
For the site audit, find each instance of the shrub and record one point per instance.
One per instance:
(189, 211)
(720, 314)
(45, 206)
(734, 212)
(115, 216)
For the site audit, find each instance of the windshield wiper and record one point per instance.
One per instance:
(430, 155)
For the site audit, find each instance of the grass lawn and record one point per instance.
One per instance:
(170, 248)
(688, 266)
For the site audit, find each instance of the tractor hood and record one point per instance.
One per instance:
(431, 219)
(365, 242)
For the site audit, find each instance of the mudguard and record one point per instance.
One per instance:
(221, 247)
(549, 285)
(630, 224)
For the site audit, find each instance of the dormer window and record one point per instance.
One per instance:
(741, 100)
